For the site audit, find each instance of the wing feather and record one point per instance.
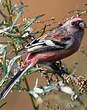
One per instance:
(51, 43)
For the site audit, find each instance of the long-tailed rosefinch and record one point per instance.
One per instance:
(54, 46)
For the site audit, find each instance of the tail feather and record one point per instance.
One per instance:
(10, 85)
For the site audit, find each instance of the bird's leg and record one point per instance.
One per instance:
(62, 67)
(46, 75)
(59, 69)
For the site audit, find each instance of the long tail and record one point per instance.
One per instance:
(10, 85)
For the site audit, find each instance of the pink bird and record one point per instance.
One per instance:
(54, 46)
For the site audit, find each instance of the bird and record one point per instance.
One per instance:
(54, 46)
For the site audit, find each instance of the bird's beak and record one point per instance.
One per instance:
(83, 25)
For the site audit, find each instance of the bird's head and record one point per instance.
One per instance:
(75, 24)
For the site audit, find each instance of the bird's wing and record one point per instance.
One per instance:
(50, 45)
(57, 39)
(56, 34)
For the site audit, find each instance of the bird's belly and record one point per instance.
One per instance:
(57, 55)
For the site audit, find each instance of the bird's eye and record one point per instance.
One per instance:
(78, 24)
(73, 23)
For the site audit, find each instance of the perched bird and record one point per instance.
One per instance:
(54, 46)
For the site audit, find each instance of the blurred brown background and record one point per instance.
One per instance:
(58, 9)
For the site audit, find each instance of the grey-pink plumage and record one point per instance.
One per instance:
(54, 46)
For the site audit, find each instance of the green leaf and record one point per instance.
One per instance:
(13, 35)
(0, 1)
(9, 67)
(1, 65)
(3, 104)
(4, 5)
(4, 29)
(3, 54)
(4, 63)
(11, 63)
(3, 80)
(30, 71)
(18, 41)
(15, 20)
(2, 48)
(30, 22)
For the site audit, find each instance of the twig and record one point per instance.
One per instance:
(14, 46)
(3, 15)
(43, 31)
(32, 100)
(9, 10)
